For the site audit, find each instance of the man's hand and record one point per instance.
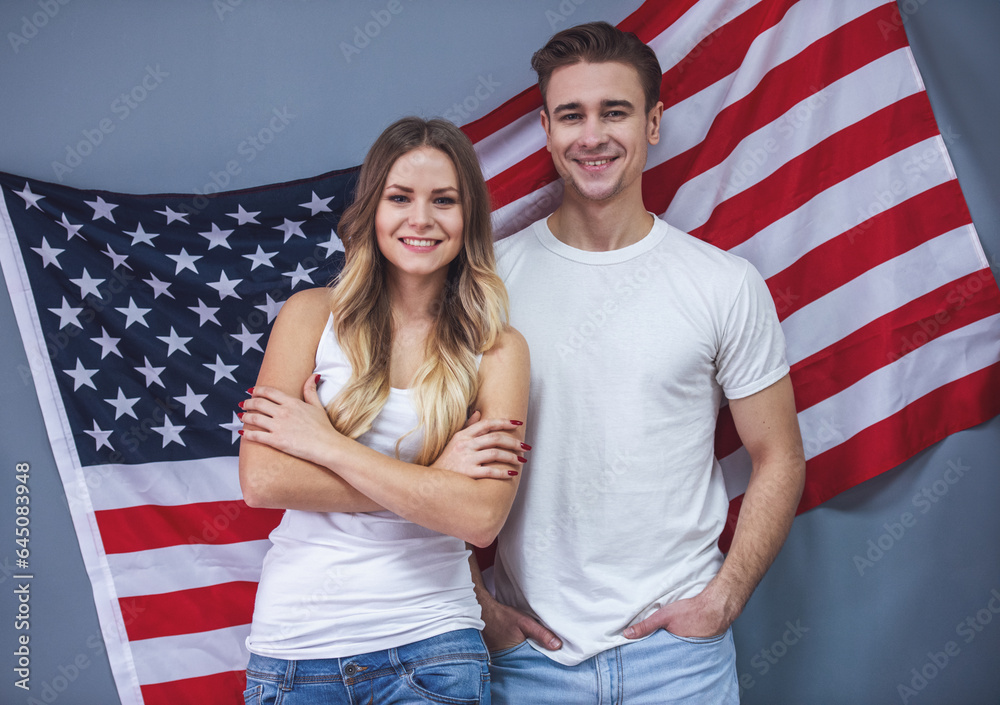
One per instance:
(481, 443)
(507, 627)
(701, 616)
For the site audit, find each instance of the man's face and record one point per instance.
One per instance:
(597, 128)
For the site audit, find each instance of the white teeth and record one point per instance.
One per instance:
(597, 163)
(419, 243)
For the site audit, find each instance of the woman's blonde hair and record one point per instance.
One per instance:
(471, 313)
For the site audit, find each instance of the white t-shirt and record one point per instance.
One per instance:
(340, 584)
(632, 351)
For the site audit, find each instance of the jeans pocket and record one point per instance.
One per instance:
(252, 695)
(699, 639)
(500, 653)
(457, 681)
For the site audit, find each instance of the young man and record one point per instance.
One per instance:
(608, 564)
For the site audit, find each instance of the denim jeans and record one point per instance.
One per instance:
(661, 669)
(451, 668)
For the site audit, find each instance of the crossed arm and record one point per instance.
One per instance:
(291, 457)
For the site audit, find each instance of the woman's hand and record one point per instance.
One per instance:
(481, 444)
(299, 428)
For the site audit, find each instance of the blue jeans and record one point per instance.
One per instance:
(452, 668)
(662, 669)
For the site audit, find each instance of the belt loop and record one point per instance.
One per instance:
(289, 680)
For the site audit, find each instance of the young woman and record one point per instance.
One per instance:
(366, 594)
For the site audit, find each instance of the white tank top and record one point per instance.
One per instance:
(339, 584)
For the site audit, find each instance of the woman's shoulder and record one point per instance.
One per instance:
(307, 306)
(509, 348)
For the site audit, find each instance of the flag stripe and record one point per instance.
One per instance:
(115, 486)
(216, 688)
(170, 658)
(150, 526)
(916, 426)
(157, 615)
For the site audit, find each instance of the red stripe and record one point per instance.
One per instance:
(857, 147)
(204, 609)
(882, 446)
(879, 239)
(217, 689)
(654, 16)
(784, 86)
(527, 176)
(711, 59)
(886, 339)
(726, 539)
(727, 440)
(153, 526)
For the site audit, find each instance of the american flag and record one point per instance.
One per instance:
(796, 134)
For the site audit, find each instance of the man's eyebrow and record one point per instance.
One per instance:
(605, 104)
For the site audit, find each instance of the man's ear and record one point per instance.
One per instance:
(544, 115)
(653, 120)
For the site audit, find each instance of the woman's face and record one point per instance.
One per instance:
(419, 221)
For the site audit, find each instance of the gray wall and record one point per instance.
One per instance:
(817, 630)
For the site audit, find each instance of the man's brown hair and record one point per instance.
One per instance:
(596, 43)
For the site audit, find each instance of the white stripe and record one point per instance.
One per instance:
(866, 193)
(892, 387)
(170, 658)
(186, 567)
(164, 483)
(675, 42)
(507, 146)
(880, 290)
(806, 124)
(686, 123)
(521, 213)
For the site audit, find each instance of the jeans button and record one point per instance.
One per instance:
(350, 669)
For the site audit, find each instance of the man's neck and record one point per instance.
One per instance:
(600, 226)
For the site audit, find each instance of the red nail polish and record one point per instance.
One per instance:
(241, 404)
(239, 415)
(316, 379)
(240, 432)
(526, 446)
(250, 391)
(523, 460)
(512, 473)
(516, 422)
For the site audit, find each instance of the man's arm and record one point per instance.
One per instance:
(769, 429)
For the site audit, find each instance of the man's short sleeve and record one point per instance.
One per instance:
(751, 355)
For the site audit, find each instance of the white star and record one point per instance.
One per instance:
(102, 209)
(133, 313)
(300, 274)
(170, 432)
(49, 254)
(270, 307)
(140, 235)
(123, 405)
(30, 199)
(152, 374)
(217, 236)
(317, 204)
(243, 217)
(158, 286)
(185, 261)
(117, 259)
(81, 377)
(205, 313)
(192, 401)
(67, 314)
(173, 215)
(247, 339)
(107, 343)
(226, 286)
(260, 258)
(334, 244)
(100, 436)
(291, 228)
(88, 285)
(233, 427)
(70, 228)
(221, 370)
(174, 342)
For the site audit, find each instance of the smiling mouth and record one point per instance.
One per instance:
(596, 162)
(412, 242)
